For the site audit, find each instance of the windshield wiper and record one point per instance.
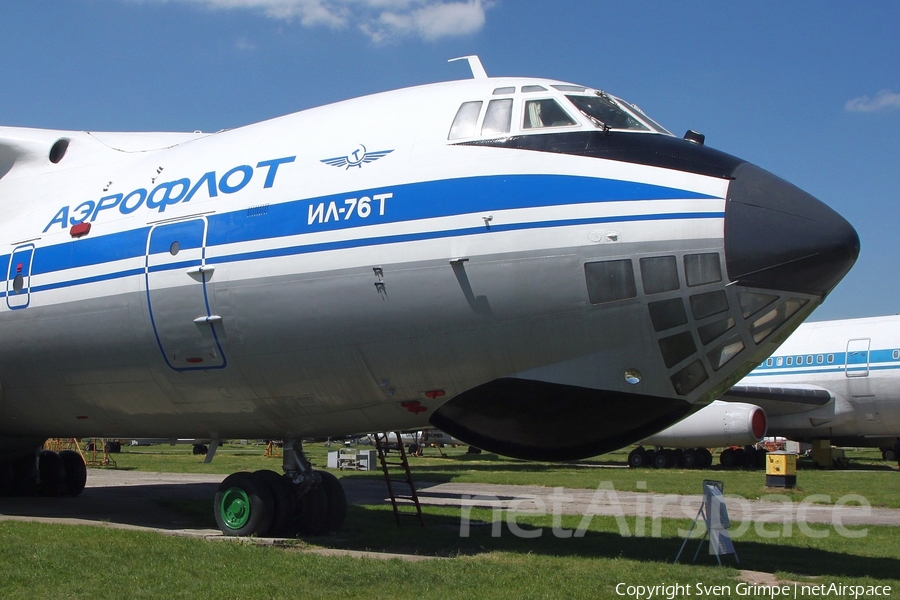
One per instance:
(596, 122)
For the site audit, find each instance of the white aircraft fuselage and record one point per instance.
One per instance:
(836, 380)
(830, 380)
(539, 283)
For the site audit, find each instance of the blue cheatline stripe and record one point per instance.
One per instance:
(87, 252)
(808, 370)
(85, 280)
(409, 202)
(374, 241)
(776, 371)
(434, 199)
(434, 235)
(877, 356)
(189, 234)
(876, 360)
(184, 264)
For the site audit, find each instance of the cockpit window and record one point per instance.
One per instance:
(604, 112)
(646, 119)
(465, 121)
(545, 108)
(498, 117)
(570, 88)
(545, 113)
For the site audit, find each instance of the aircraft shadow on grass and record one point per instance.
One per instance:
(371, 526)
(375, 529)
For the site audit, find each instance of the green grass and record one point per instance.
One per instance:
(866, 475)
(40, 560)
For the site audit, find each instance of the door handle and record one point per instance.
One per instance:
(201, 270)
(208, 319)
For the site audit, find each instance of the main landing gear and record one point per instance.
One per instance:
(659, 458)
(45, 473)
(302, 501)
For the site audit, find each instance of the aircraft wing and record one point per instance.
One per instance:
(780, 399)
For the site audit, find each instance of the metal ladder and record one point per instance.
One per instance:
(383, 445)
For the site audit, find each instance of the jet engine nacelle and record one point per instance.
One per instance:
(719, 424)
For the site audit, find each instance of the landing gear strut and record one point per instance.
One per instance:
(302, 501)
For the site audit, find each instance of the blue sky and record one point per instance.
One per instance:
(809, 91)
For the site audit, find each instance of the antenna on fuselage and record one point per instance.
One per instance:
(478, 71)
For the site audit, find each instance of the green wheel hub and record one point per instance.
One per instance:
(235, 508)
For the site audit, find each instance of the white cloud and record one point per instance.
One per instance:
(309, 12)
(430, 22)
(381, 20)
(883, 101)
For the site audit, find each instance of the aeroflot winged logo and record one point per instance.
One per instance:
(356, 158)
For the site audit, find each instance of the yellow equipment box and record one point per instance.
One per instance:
(781, 469)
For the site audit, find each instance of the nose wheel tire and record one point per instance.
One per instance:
(265, 503)
(336, 501)
(285, 508)
(244, 505)
(313, 511)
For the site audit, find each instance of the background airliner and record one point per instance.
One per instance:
(535, 267)
(831, 381)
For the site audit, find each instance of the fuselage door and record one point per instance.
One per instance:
(857, 364)
(18, 278)
(180, 296)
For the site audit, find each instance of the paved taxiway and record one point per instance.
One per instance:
(131, 499)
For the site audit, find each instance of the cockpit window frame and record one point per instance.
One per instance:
(566, 113)
(568, 88)
(634, 108)
(462, 126)
(614, 105)
(497, 120)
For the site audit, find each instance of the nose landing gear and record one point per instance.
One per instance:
(302, 501)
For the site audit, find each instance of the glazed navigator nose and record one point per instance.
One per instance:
(779, 237)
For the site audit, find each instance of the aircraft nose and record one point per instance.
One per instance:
(779, 237)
